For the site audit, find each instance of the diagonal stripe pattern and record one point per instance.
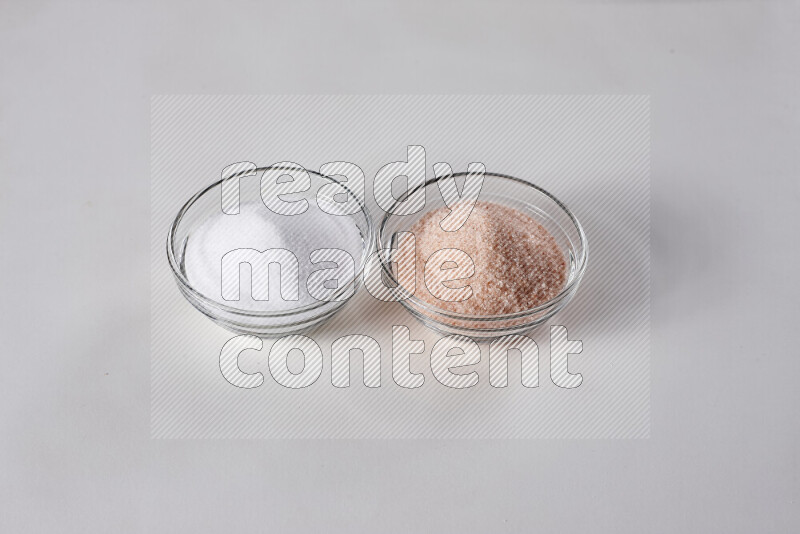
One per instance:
(591, 151)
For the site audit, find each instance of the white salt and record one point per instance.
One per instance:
(256, 227)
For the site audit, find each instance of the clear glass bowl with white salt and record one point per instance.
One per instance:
(510, 192)
(251, 293)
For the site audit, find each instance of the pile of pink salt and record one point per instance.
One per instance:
(518, 264)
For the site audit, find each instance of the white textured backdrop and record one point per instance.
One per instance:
(76, 81)
(592, 152)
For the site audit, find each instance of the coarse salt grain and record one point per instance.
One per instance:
(518, 264)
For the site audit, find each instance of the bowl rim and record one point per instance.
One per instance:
(369, 241)
(565, 292)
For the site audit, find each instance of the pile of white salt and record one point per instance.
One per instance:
(256, 227)
(518, 264)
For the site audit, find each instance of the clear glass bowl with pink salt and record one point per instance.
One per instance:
(528, 254)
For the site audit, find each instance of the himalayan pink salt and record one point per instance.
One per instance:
(518, 264)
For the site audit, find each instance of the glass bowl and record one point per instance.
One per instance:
(202, 232)
(507, 191)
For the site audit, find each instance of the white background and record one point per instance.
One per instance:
(592, 152)
(75, 86)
